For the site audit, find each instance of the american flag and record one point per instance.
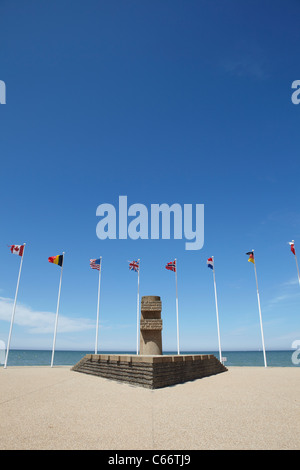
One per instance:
(171, 266)
(95, 264)
(134, 266)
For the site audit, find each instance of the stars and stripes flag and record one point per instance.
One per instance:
(134, 266)
(171, 266)
(17, 249)
(95, 264)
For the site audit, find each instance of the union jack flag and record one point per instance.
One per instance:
(134, 266)
(95, 264)
(171, 266)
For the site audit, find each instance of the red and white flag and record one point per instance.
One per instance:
(292, 244)
(17, 249)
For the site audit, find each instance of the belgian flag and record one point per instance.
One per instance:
(56, 260)
(251, 257)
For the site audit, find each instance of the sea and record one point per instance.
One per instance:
(24, 357)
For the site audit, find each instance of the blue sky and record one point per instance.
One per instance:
(164, 102)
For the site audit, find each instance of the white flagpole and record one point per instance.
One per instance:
(217, 311)
(296, 262)
(138, 310)
(261, 325)
(57, 308)
(97, 322)
(178, 351)
(14, 309)
(297, 268)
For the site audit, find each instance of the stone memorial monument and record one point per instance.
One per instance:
(150, 368)
(150, 326)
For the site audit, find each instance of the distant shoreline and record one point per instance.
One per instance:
(123, 351)
(253, 358)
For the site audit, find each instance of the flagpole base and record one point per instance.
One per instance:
(150, 371)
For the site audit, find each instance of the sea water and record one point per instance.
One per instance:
(24, 357)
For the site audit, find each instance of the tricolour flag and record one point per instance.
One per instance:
(171, 266)
(292, 244)
(95, 264)
(251, 256)
(17, 249)
(134, 266)
(210, 263)
(56, 260)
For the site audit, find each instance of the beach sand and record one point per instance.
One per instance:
(56, 408)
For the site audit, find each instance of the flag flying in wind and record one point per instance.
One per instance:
(210, 263)
(134, 266)
(292, 244)
(56, 259)
(95, 264)
(171, 266)
(251, 256)
(17, 249)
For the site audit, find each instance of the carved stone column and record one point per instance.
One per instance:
(150, 326)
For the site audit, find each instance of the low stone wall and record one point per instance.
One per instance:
(150, 371)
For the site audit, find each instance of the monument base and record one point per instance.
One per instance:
(150, 371)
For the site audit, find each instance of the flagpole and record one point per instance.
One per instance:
(97, 322)
(178, 352)
(296, 262)
(297, 269)
(261, 325)
(138, 310)
(217, 310)
(14, 309)
(57, 308)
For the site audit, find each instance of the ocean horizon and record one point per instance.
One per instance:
(275, 358)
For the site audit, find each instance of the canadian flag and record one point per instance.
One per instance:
(17, 249)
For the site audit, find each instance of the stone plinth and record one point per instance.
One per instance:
(150, 326)
(150, 371)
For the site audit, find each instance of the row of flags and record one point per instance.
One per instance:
(135, 266)
(94, 263)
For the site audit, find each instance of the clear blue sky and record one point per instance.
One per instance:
(165, 102)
